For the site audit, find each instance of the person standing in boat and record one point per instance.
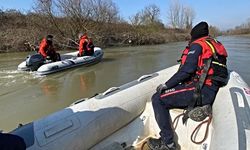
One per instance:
(193, 87)
(86, 46)
(47, 50)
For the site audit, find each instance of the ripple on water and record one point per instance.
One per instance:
(13, 77)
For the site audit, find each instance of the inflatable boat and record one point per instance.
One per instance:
(69, 60)
(122, 118)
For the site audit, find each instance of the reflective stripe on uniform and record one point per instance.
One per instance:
(211, 46)
(177, 91)
(220, 64)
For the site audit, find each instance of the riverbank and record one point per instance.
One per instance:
(18, 29)
(17, 39)
(243, 35)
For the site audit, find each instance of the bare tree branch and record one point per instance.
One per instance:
(180, 16)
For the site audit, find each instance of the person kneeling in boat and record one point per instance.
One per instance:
(86, 46)
(195, 85)
(47, 50)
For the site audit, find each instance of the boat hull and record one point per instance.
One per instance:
(68, 60)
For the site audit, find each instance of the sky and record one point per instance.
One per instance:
(224, 14)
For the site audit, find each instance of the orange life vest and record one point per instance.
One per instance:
(211, 49)
(83, 45)
(45, 48)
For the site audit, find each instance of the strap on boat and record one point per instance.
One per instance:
(197, 97)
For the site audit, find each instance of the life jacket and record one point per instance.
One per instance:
(44, 48)
(83, 45)
(214, 51)
(184, 55)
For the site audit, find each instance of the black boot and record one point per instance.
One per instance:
(158, 144)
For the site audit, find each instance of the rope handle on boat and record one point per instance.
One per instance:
(78, 101)
(110, 90)
(208, 121)
(144, 77)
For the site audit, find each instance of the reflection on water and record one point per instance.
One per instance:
(49, 87)
(25, 97)
(239, 53)
(86, 80)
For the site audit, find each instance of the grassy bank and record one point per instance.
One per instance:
(17, 29)
(244, 35)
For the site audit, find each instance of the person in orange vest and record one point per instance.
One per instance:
(47, 50)
(193, 87)
(86, 46)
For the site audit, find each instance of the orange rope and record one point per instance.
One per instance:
(208, 121)
(176, 119)
(143, 144)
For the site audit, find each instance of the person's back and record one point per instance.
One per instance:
(86, 46)
(83, 45)
(43, 48)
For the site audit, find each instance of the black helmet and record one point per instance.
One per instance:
(200, 30)
(49, 37)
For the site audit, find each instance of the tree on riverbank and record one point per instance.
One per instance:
(241, 29)
(99, 18)
(180, 16)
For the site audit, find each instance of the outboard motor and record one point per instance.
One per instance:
(34, 61)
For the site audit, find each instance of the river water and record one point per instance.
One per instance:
(25, 97)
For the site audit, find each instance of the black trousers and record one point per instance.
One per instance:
(11, 142)
(89, 52)
(178, 97)
(54, 56)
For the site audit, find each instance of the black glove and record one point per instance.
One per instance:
(161, 88)
(79, 55)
